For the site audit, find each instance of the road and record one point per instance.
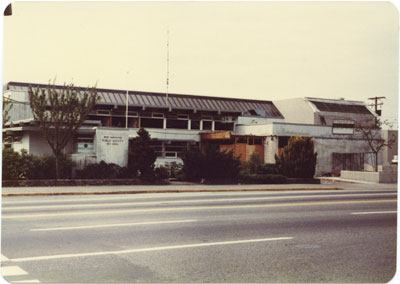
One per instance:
(293, 236)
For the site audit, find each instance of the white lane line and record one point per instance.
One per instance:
(112, 225)
(195, 208)
(4, 258)
(48, 257)
(374, 212)
(12, 271)
(27, 281)
(10, 208)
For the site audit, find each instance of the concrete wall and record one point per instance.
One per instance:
(83, 160)
(296, 110)
(326, 143)
(386, 176)
(389, 152)
(270, 150)
(112, 145)
(23, 144)
(326, 147)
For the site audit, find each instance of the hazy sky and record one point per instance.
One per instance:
(256, 50)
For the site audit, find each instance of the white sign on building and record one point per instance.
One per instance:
(112, 146)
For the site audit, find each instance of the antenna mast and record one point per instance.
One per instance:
(166, 93)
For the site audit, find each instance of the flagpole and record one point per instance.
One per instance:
(166, 93)
(126, 102)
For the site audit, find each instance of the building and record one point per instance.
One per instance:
(176, 122)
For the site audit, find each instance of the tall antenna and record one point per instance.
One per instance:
(166, 92)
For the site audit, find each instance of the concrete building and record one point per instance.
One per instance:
(174, 122)
(179, 121)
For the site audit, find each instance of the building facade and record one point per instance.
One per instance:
(177, 122)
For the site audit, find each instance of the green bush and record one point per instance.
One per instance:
(17, 166)
(262, 179)
(298, 159)
(141, 156)
(103, 170)
(12, 165)
(213, 165)
(45, 167)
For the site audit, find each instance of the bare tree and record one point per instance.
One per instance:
(372, 134)
(60, 112)
(7, 106)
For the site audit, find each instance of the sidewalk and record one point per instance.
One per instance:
(175, 187)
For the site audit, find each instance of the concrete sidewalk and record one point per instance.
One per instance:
(186, 187)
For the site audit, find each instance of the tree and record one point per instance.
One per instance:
(7, 106)
(372, 134)
(141, 155)
(60, 112)
(298, 159)
(212, 165)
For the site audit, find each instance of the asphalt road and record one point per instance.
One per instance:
(274, 237)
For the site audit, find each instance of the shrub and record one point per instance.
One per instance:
(45, 167)
(269, 169)
(213, 165)
(12, 165)
(101, 170)
(254, 165)
(26, 166)
(141, 155)
(262, 179)
(298, 159)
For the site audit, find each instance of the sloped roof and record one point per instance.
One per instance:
(340, 106)
(175, 101)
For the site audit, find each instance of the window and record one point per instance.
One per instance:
(207, 125)
(223, 125)
(152, 122)
(118, 121)
(258, 141)
(195, 124)
(177, 123)
(84, 143)
(242, 140)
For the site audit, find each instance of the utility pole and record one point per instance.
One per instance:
(376, 103)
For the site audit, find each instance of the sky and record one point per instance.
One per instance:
(254, 50)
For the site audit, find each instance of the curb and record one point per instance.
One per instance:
(164, 191)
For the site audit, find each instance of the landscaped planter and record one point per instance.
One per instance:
(389, 176)
(80, 182)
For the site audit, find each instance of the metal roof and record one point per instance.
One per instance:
(175, 101)
(341, 107)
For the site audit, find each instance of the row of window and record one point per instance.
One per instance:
(146, 122)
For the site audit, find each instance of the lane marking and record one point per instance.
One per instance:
(373, 212)
(3, 258)
(165, 209)
(185, 201)
(12, 271)
(157, 195)
(112, 225)
(59, 256)
(27, 281)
